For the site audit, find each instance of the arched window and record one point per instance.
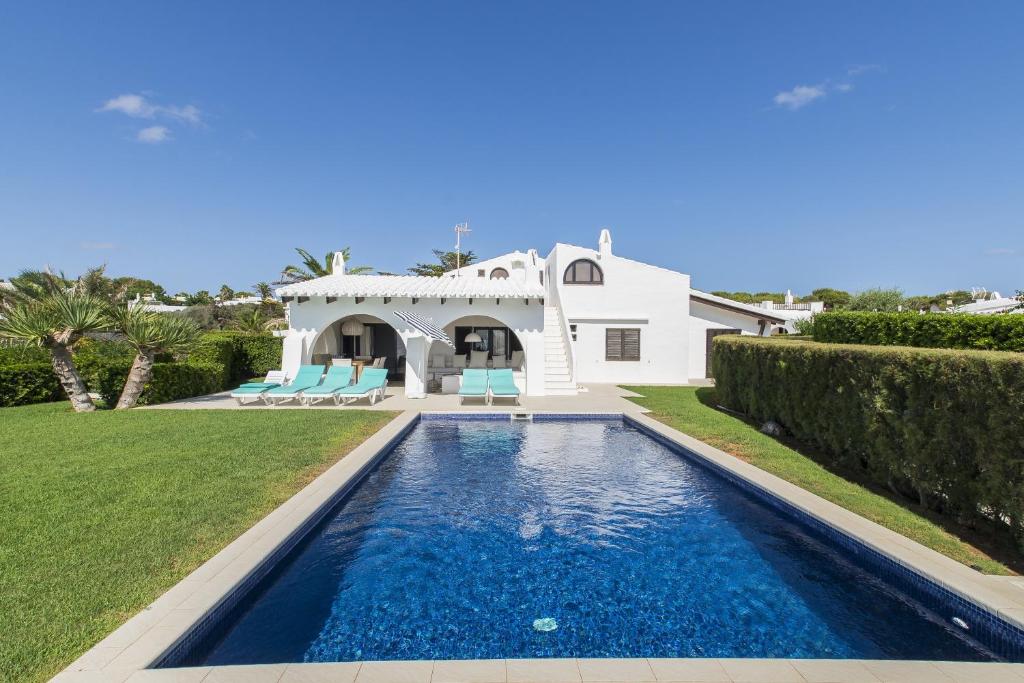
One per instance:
(583, 272)
(499, 274)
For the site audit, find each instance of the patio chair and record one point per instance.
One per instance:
(252, 391)
(307, 377)
(501, 385)
(478, 359)
(338, 377)
(379, 362)
(371, 385)
(474, 385)
(345, 362)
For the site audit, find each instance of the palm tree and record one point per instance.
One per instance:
(312, 268)
(150, 333)
(43, 310)
(225, 293)
(265, 291)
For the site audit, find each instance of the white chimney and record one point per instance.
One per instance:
(338, 264)
(604, 243)
(789, 298)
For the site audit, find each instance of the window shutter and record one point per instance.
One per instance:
(613, 344)
(631, 344)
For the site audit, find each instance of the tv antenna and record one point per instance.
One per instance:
(460, 230)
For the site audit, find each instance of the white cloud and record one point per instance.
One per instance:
(844, 87)
(1000, 251)
(154, 135)
(97, 246)
(138, 106)
(132, 105)
(800, 96)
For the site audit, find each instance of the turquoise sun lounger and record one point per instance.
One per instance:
(501, 385)
(338, 377)
(371, 385)
(307, 378)
(252, 391)
(474, 385)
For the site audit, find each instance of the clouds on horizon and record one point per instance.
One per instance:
(141, 107)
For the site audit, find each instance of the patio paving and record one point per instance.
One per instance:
(597, 398)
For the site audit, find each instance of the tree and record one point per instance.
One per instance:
(265, 291)
(45, 311)
(255, 321)
(832, 298)
(200, 298)
(877, 299)
(226, 293)
(446, 262)
(149, 333)
(130, 287)
(312, 268)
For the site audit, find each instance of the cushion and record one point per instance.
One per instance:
(478, 359)
(437, 361)
(498, 362)
(517, 360)
(459, 360)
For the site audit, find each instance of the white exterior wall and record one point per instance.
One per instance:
(307, 320)
(635, 295)
(704, 317)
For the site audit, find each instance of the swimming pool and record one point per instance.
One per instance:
(480, 539)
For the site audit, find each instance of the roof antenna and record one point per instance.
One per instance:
(460, 230)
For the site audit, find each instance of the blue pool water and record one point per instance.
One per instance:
(471, 530)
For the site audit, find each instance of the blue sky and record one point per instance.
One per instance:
(755, 145)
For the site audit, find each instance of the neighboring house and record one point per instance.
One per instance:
(151, 303)
(992, 303)
(792, 311)
(577, 316)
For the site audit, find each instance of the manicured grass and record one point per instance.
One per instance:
(690, 410)
(101, 513)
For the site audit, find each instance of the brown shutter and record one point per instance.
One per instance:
(612, 344)
(631, 344)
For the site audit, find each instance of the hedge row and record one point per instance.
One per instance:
(219, 362)
(170, 382)
(931, 330)
(941, 427)
(26, 383)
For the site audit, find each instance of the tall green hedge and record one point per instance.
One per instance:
(942, 427)
(24, 383)
(931, 330)
(219, 362)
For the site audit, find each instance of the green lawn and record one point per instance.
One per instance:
(690, 410)
(101, 513)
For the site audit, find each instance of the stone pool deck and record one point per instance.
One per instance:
(596, 398)
(126, 653)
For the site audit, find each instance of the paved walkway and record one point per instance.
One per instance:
(597, 398)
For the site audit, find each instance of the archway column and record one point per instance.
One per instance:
(296, 350)
(417, 350)
(532, 342)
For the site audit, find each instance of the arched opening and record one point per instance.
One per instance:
(499, 274)
(480, 342)
(363, 340)
(583, 272)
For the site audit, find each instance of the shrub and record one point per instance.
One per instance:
(260, 353)
(26, 383)
(171, 381)
(933, 330)
(243, 354)
(21, 354)
(942, 427)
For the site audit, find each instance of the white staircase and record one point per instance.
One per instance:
(558, 379)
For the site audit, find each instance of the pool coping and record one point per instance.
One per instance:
(143, 640)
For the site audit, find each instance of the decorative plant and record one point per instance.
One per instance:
(149, 333)
(312, 268)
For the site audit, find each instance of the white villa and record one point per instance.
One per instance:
(574, 317)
